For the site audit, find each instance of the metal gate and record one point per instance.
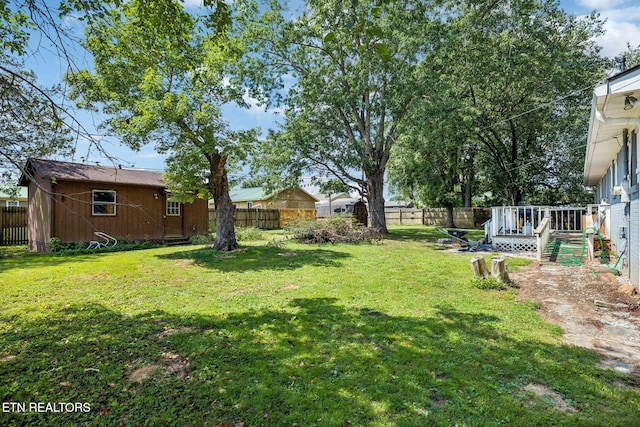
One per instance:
(13, 226)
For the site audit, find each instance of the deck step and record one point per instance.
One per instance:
(176, 240)
(566, 250)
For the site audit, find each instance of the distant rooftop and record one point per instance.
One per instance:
(23, 193)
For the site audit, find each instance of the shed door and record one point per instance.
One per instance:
(173, 218)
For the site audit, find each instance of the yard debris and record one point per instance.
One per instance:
(629, 290)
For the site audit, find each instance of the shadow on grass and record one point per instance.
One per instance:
(313, 362)
(261, 258)
(21, 258)
(426, 233)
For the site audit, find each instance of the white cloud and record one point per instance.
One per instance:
(616, 37)
(627, 14)
(600, 4)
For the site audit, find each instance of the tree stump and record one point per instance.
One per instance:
(499, 269)
(479, 267)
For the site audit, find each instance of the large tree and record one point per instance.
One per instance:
(161, 76)
(523, 71)
(34, 122)
(357, 69)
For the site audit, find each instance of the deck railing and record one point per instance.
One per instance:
(523, 220)
(542, 236)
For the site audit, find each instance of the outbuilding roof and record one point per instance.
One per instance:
(67, 171)
(255, 194)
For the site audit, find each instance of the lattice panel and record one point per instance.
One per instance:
(515, 244)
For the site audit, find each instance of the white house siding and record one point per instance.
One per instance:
(634, 242)
(618, 239)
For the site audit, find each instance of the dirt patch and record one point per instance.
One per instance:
(586, 303)
(545, 393)
(143, 373)
(170, 364)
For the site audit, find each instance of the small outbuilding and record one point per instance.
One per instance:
(72, 201)
(259, 198)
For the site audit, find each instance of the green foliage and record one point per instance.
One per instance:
(79, 248)
(507, 116)
(358, 69)
(489, 283)
(338, 228)
(334, 186)
(199, 239)
(246, 234)
(163, 74)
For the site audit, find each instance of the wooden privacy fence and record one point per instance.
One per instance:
(13, 226)
(462, 217)
(266, 219)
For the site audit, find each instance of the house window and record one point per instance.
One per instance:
(173, 208)
(104, 202)
(13, 203)
(249, 205)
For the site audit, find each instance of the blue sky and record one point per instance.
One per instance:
(622, 26)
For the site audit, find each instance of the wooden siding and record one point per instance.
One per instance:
(139, 214)
(286, 199)
(291, 216)
(292, 199)
(195, 218)
(39, 214)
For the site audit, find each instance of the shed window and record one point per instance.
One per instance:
(104, 202)
(173, 208)
(12, 203)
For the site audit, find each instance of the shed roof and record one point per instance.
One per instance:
(608, 120)
(258, 193)
(67, 171)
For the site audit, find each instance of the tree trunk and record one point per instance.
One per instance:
(449, 220)
(375, 196)
(219, 186)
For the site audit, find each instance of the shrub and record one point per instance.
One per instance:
(244, 234)
(340, 228)
(75, 248)
(199, 239)
(489, 283)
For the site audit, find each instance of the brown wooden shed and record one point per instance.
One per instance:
(72, 201)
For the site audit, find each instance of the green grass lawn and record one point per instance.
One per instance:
(390, 334)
